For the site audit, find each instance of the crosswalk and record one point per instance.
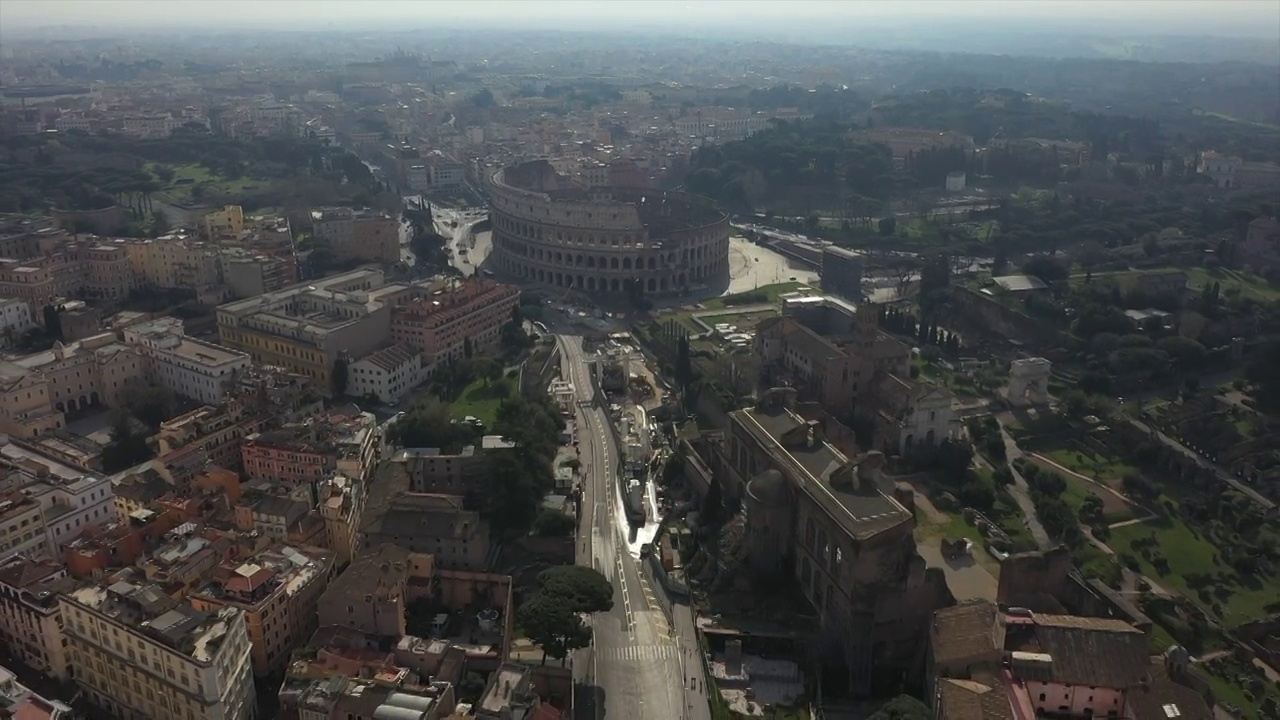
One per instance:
(639, 652)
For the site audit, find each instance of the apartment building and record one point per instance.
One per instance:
(305, 328)
(229, 221)
(106, 272)
(25, 407)
(341, 505)
(22, 528)
(150, 125)
(174, 261)
(214, 431)
(30, 622)
(189, 367)
(277, 591)
(249, 274)
(15, 317)
(440, 325)
(139, 654)
(358, 234)
(370, 595)
(309, 451)
(71, 499)
(92, 371)
(387, 374)
(432, 471)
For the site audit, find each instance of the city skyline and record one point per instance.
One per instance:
(1243, 18)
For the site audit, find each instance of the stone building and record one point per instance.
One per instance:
(816, 516)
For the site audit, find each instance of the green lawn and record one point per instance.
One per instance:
(769, 294)
(1228, 692)
(179, 191)
(1250, 286)
(1098, 467)
(478, 400)
(1187, 553)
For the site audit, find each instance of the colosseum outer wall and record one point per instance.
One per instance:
(605, 239)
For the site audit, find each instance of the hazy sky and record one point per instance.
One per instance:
(1258, 18)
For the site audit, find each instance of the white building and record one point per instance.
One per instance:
(15, 315)
(187, 366)
(928, 420)
(388, 374)
(70, 499)
(955, 181)
(138, 653)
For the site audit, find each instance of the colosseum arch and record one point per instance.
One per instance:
(542, 225)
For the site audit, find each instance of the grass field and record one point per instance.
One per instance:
(1188, 553)
(479, 399)
(186, 177)
(769, 294)
(1101, 468)
(1250, 286)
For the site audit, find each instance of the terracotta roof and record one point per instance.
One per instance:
(1156, 699)
(984, 699)
(21, 572)
(964, 631)
(1098, 652)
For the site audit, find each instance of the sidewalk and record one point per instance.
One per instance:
(695, 679)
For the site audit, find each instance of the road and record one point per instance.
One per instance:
(634, 668)
(461, 239)
(1021, 493)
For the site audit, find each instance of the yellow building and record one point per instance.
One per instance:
(174, 261)
(229, 221)
(26, 402)
(305, 328)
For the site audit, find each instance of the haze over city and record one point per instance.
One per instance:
(795, 360)
(1247, 18)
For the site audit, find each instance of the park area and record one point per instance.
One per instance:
(186, 184)
(480, 399)
(1172, 553)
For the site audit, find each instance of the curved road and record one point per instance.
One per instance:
(634, 667)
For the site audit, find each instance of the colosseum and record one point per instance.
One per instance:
(551, 231)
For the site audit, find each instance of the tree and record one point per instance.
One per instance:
(552, 617)
(553, 626)
(512, 493)
(903, 707)
(684, 364)
(339, 378)
(1187, 354)
(150, 403)
(1047, 268)
(1000, 262)
(713, 504)
(467, 348)
(1264, 373)
(553, 523)
(126, 448)
(582, 588)
(52, 322)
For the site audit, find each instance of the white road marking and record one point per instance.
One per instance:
(640, 652)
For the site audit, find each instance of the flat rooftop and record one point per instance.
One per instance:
(150, 612)
(863, 511)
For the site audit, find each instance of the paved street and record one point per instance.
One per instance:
(1021, 493)
(634, 668)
